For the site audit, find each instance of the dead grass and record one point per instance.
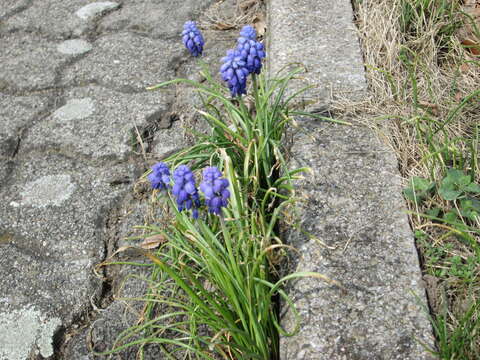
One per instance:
(233, 14)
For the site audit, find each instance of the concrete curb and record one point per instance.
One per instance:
(353, 208)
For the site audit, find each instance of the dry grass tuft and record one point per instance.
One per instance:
(233, 14)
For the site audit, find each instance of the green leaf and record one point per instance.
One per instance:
(433, 211)
(470, 209)
(419, 189)
(448, 192)
(456, 176)
(450, 217)
(472, 188)
(420, 235)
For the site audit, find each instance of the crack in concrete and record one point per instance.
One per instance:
(102, 295)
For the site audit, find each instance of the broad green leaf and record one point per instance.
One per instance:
(450, 217)
(433, 211)
(473, 188)
(418, 189)
(447, 192)
(470, 209)
(455, 175)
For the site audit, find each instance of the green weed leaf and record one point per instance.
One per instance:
(470, 209)
(433, 211)
(473, 188)
(419, 189)
(455, 184)
(447, 192)
(450, 217)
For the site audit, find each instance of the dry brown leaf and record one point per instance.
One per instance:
(260, 25)
(473, 12)
(432, 107)
(223, 26)
(471, 46)
(458, 96)
(464, 68)
(152, 242)
(247, 4)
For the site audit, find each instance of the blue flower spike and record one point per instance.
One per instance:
(234, 71)
(250, 49)
(160, 176)
(192, 38)
(185, 190)
(249, 33)
(214, 187)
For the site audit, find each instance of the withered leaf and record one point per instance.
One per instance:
(244, 5)
(464, 67)
(471, 46)
(153, 242)
(432, 107)
(223, 26)
(458, 96)
(260, 25)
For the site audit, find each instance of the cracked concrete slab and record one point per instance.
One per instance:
(99, 122)
(126, 62)
(123, 313)
(159, 18)
(56, 19)
(128, 283)
(72, 103)
(16, 112)
(52, 234)
(29, 62)
(36, 329)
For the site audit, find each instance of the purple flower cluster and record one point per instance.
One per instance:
(248, 32)
(250, 49)
(192, 38)
(245, 59)
(234, 71)
(215, 189)
(160, 176)
(185, 190)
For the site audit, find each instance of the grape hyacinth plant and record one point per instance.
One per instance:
(227, 307)
(215, 190)
(192, 38)
(185, 190)
(160, 176)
